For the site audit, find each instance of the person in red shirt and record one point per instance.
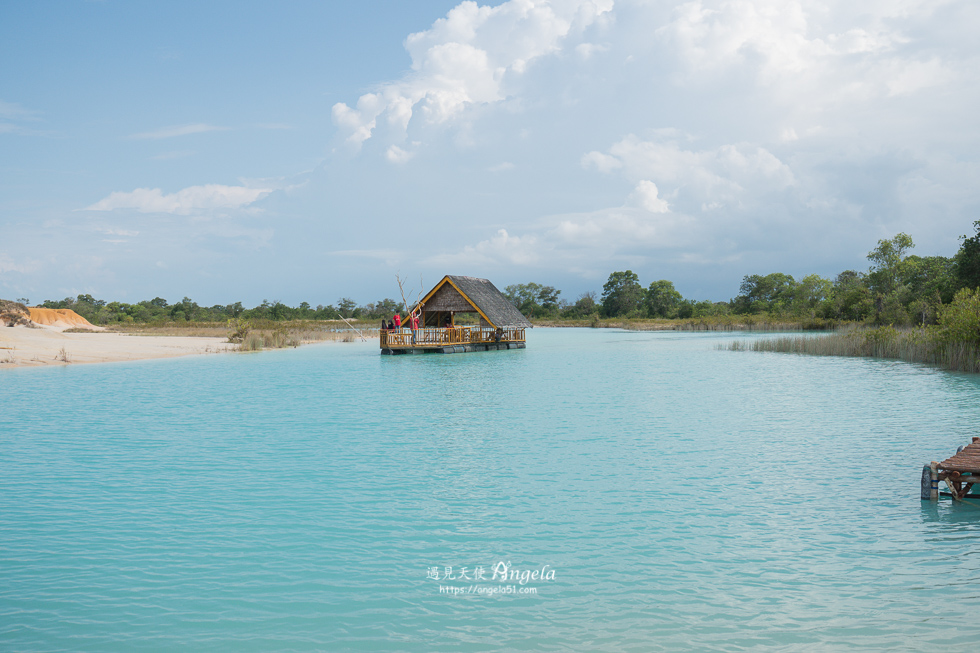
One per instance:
(413, 322)
(398, 321)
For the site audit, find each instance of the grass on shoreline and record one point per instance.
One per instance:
(254, 335)
(915, 345)
(909, 345)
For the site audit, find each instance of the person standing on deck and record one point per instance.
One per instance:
(413, 322)
(398, 322)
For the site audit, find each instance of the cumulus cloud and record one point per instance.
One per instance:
(646, 196)
(397, 155)
(499, 248)
(585, 244)
(718, 175)
(468, 58)
(601, 162)
(194, 198)
(811, 53)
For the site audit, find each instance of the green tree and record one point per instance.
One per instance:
(347, 307)
(927, 283)
(278, 310)
(622, 294)
(764, 294)
(662, 299)
(849, 298)
(968, 260)
(883, 277)
(533, 299)
(584, 306)
(186, 310)
(385, 308)
(959, 322)
(808, 294)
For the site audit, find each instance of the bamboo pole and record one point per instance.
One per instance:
(363, 337)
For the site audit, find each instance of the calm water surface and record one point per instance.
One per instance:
(685, 497)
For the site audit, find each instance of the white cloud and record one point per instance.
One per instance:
(15, 115)
(178, 130)
(176, 154)
(467, 59)
(194, 198)
(14, 111)
(390, 257)
(397, 155)
(909, 77)
(119, 232)
(813, 55)
(646, 196)
(584, 244)
(587, 50)
(723, 174)
(500, 248)
(8, 264)
(601, 162)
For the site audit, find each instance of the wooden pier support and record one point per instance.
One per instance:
(960, 472)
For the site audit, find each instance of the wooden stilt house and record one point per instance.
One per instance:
(501, 325)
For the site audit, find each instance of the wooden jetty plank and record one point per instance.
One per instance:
(967, 460)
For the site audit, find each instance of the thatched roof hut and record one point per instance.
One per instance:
(458, 294)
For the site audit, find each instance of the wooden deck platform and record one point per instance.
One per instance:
(962, 470)
(455, 340)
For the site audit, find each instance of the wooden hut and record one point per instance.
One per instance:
(501, 325)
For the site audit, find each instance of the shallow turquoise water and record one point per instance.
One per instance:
(685, 497)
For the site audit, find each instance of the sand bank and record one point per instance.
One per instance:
(60, 317)
(45, 346)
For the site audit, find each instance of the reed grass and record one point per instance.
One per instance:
(910, 345)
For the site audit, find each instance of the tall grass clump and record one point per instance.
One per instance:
(952, 344)
(239, 330)
(252, 342)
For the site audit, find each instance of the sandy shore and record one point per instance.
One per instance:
(45, 346)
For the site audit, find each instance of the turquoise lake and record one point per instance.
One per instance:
(677, 496)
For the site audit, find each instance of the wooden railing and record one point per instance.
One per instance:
(434, 337)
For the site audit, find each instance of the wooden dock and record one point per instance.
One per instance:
(960, 472)
(501, 326)
(455, 340)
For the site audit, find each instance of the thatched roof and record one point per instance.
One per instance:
(481, 295)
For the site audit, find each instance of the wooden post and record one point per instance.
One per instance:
(934, 481)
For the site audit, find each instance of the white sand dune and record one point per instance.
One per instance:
(21, 346)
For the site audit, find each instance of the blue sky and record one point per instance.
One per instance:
(308, 151)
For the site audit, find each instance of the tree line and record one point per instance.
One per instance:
(158, 310)
(898, 288)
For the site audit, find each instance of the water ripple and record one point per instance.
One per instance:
(686, 498)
